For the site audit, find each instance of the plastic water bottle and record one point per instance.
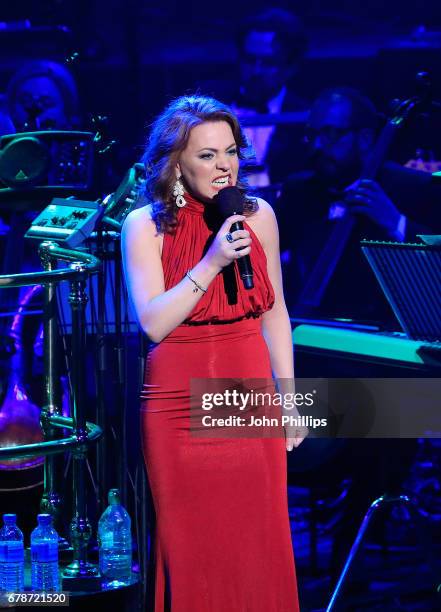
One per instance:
(44, 556)
(11, 556)
(115, 543)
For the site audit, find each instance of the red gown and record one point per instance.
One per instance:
(222, 540)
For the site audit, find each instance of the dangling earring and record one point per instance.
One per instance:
(178, 193)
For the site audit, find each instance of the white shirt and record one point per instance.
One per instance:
(260, 137)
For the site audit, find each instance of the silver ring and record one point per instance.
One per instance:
(229, 237)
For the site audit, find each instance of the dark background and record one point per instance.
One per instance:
(134, 55)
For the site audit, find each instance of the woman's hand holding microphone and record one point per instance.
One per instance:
(227, 247)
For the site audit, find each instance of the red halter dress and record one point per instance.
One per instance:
(222, 539)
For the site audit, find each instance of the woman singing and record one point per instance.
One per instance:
(222, 541)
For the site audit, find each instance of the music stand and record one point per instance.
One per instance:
(410, 277)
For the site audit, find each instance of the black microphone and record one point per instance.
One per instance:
(229, 201)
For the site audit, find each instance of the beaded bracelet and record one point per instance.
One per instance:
(197, 285)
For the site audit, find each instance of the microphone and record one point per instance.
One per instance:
(229, 201)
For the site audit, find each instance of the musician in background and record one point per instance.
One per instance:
(400, 203)
(271, 47)
(341, 134)
(42, 95)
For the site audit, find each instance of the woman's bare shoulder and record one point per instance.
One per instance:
(264, 206)
(263, 221)
(139, 230)
(140, 220)
(144, 213)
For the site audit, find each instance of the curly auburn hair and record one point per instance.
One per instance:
(168, 138)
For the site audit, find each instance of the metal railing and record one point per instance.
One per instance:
(81, 265)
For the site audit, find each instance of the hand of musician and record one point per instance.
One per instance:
(294, 436)
(367, 198)
(224, 248)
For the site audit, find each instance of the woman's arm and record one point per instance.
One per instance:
(276, 326)
(159, 311)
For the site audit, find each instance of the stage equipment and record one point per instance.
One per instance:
(410, 277)
(34, 166)
(38, 164)
(83, 433)
(114, 314)
(122, 201)
(347, 348)
(72, 222)
(334, 349)
(66, 221)
(19, 416)
(378, 504)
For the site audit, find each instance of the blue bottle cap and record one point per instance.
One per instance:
(44, 519)
(9, 519)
